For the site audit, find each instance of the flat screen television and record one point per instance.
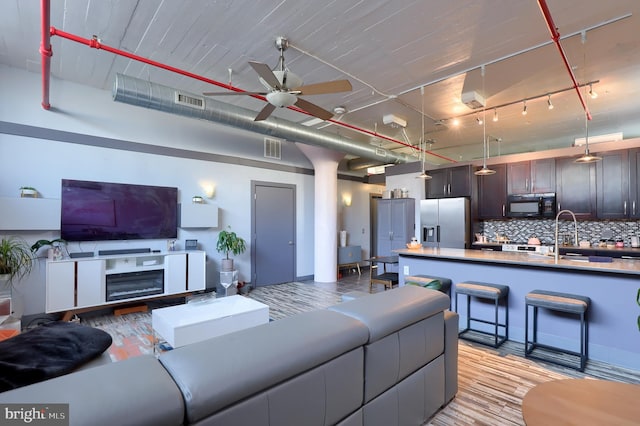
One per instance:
(96, 211)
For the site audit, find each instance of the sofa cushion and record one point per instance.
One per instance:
(48, 351)
(218, 372)
(136, 391)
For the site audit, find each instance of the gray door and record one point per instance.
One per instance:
(273, 254)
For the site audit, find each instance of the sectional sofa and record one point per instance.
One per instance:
(385, 359)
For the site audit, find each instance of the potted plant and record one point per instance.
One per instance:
(16, 259)
(56, 245)
(28, 191)
(229, 242)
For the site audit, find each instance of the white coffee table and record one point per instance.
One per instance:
(197, 321)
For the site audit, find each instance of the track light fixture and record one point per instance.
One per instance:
(479, 120)
(592, 93)
(524, 108)
(549, 104)
(495, 115)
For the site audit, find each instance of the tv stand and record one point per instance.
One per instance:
(109, 280)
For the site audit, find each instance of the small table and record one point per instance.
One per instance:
(582, 402)
(388, 279)
(197, 321)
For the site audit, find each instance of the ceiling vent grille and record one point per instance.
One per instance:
(272, 148)
(188, 100)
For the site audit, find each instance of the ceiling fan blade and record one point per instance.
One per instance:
(313, 109)
(267, 75)
(232, 93)
(265, 113)
(326, 87)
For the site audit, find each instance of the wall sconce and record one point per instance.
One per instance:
(346, 200)
(196, 199)
(209, 190)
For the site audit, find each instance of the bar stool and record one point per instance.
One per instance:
(560, 302)
(481, 290)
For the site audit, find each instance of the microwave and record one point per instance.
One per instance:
(531, 205)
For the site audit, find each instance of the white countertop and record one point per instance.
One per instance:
(617, 266)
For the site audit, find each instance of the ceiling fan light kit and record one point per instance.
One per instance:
(283, 88)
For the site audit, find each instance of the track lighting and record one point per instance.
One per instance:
(524, 108)
(592, 93)
(495, 115)
(479, 120)
(549, 104)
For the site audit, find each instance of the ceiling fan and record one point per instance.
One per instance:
(283, 88)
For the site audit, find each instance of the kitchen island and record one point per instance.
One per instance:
(612, 286)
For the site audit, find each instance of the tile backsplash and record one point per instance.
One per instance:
(520, 230)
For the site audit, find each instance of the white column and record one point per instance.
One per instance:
(325, 163)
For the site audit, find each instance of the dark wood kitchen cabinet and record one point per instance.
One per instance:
(612, 174)
(449, 182)
(492, 193)
(634, 183)
(531, 177)
(576, 187)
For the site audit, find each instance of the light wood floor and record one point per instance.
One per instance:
(492, 382)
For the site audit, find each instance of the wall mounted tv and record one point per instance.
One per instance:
(96, 211)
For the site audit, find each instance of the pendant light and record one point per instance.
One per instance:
(423, 144)
(587, 157)
(484, 171)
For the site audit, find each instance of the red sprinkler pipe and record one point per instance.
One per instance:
(95, 43)
(45, 52)
(555, 36)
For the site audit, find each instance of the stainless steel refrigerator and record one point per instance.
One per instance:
(445, 222)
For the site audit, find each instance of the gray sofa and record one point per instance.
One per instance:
(386, 359)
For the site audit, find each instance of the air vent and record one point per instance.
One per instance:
(188, 100)
(272, 148)
(381, 152)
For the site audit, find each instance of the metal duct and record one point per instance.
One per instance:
(133, 91)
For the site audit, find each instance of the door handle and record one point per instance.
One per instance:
(503, 210)
(290, 243)
(625, 207)
(633, 207)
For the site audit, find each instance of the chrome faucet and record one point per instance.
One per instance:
(575, 228)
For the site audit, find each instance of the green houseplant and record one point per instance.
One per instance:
(57, 243)
(16, 259)
(229, 242)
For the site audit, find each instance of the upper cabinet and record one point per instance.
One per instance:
(492, 193)
(613, 185)
(450, 182)
(576, 187)
(530, 177)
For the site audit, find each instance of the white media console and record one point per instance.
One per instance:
(75, 284)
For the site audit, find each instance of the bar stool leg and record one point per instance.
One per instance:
(495, 336)
(468, 311)
(526, 328)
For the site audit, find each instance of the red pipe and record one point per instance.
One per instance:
(555, 36)
(94, 43)
(45, 52)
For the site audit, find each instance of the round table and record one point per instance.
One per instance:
(582, 402)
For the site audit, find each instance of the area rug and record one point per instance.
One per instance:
(132, 334)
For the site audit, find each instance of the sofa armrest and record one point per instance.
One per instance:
(450, 354)
(389, 311)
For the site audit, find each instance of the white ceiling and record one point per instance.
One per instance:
(388, 50)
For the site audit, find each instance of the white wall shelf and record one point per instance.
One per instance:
(198, 216)
(32, 214)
